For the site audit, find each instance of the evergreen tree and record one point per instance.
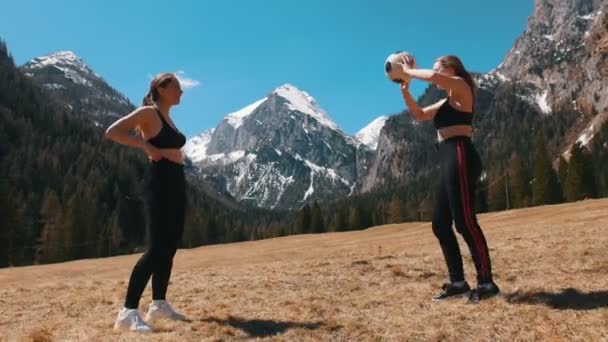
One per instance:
(341, 221)
(545, 189)
(562, 172)
(497, 194)
(518, 182)
(316, 219)
(213, 231)
(425, 209)
(303, 223)
(7, 224)
(52, 243)
(395, 212)
(580, 181)
(600, 161)
(591, 190)
(355, 218)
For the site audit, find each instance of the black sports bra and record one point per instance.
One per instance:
(167, 137)
(449, 116)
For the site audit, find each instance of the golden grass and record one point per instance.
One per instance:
(373, 285)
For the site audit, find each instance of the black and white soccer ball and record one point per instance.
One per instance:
(390, 65)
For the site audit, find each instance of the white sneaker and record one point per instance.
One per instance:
(129, 319)
(160, 309)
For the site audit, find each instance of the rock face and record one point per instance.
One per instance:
(563, 53)
(370, 134)
(70, 80)
(280, 152)
(553, 80)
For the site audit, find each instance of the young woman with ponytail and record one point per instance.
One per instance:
(460, 168)
(165, 199)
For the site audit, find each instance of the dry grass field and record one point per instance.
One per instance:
(551, 263)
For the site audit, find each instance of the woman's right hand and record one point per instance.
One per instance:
(154, 154)
(409, 61)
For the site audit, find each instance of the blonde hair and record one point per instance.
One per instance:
(161, 80)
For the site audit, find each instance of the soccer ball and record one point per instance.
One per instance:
(397, 57)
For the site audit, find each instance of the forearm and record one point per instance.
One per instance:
(413, 107)
(127, 139)
(421, 74)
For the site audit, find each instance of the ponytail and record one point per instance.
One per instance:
(451, 61)
(161, 80)
(148, 100)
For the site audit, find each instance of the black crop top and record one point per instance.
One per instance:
(167, 137)
(449, 116)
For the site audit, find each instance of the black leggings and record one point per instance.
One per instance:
(166, 204)
(460, 168)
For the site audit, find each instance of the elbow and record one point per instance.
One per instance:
(416, 114)
(419, 115)
(109, 134)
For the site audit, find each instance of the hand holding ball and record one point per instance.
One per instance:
(393, 67)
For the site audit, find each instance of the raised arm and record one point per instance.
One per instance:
(455, 84)
(420, 114)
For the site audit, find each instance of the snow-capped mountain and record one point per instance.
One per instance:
(196, 147)
(552, 82)
(369, 134)
(281, 151)
(70, 80)
(68, 63)
(562, 54)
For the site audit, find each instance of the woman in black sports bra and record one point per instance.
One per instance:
(165, 199)
(460, 168)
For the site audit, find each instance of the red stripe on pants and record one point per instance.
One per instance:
(468, 218)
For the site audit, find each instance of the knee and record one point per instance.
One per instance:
(440, 227)
(143, 262)
(461, 226)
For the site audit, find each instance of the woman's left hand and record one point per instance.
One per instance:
(405, 86)
(403, 72)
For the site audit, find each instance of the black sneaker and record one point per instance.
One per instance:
(484, 291)
(449, 290)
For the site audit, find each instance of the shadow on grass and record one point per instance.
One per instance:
(567, 299)
(261, 327)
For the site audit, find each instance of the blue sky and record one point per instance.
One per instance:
(238, 51)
